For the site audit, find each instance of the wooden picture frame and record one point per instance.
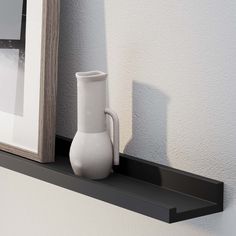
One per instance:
(46, 118)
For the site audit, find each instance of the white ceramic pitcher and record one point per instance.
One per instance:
(92, 152)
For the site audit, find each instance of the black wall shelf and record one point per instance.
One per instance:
(151, 189)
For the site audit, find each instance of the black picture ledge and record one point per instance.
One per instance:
(150, 189)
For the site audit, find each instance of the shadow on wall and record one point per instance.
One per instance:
(149, 124)
(149, 141)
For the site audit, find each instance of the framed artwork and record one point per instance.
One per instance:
(29, 32)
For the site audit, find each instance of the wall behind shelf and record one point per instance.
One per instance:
(172, 79)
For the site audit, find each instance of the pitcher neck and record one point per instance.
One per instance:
(91, 101)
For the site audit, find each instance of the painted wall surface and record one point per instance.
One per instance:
(172, 67)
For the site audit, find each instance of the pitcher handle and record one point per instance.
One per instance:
(116, 135)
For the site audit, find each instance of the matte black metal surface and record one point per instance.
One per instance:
(154, 190)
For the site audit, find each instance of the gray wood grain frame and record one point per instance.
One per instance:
(48, 88)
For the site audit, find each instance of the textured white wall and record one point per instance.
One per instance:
(172, 78)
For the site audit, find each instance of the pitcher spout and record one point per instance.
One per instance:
(91, 76)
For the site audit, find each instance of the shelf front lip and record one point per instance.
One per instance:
(109, 194)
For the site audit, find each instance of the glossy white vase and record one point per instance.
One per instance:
(92, 153)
